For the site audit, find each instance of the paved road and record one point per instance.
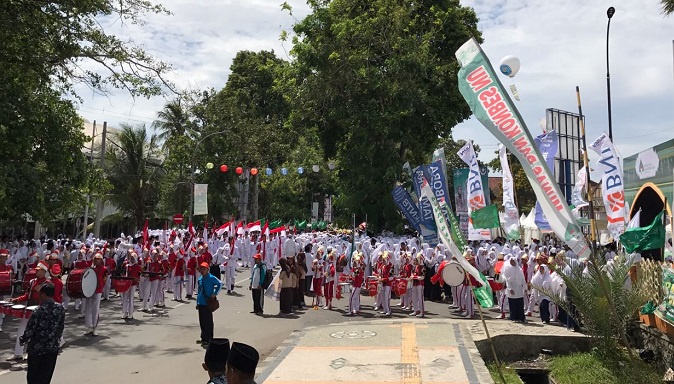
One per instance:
(162, 349)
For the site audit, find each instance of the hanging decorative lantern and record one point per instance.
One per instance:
(223, 168)
(300, 170)
(253, 171)
(239, 170)
(209, 165)
(316, 168)
(331, 165)
(268, 171)
(284, 171)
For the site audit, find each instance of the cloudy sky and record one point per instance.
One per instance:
(561, 44)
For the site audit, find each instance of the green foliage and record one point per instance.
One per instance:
(667, 7)
(606, 321)
(134, 171)
(377, 79)
(509, 374)
(591, 368)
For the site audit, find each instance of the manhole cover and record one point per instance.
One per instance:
(353, 334)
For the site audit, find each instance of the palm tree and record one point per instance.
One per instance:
(667, 7)
(172, 121)
(134, 170)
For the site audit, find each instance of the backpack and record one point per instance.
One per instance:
(267, 279)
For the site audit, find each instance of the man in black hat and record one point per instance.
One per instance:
(241, 364)
(215, 360)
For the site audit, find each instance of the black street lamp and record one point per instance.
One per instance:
(609, 12)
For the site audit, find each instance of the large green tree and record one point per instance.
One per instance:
(134, 171)
(46, 47)
(377, 79)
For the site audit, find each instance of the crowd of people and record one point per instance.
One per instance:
(322, 265)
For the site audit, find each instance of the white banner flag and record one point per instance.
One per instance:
(200, 199)
(577, 199)
(612, 188)
(512, 220)
(475, 192)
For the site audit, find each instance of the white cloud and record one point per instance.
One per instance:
(561, 44)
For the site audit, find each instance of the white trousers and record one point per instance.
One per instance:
(455, 297)
(532, 301)
(468, 300)
(418, 298)
(386, 299)
(149, 296)
(230, 276)
(106, 288)
(143, 286)
(190, 285)
(408, 298)
(91, 309)
(178, 288)
(18, 348)
(159, 293)
(2, 315)
(503, 304)
(354, 300)
(168, 282)
(127, 300)
(66, 299)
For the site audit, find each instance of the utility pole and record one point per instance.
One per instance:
(99, 201)
(86, 207)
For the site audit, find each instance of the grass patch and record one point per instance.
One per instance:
(587, 368)
(509, 374)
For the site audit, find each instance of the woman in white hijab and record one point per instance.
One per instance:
(542, 283)
(515, 285)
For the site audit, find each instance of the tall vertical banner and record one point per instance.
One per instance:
(612, 187)
(460, 194)
(474, 190)
(548, 144)
(577, 198)
(428, 230)
(408, 207)
(512, 218)
(200, 199)
(492, 106)
(435, 176)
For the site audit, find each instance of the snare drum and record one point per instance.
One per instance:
(81, 283)
(344, 288)
(29, 311)
(495, 286)
(453, 274)
(6, 283)
(373, 285)
(18, 310)
(121, 284)
(401, 285)
(30, 275)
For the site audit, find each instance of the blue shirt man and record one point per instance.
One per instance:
(208, 286)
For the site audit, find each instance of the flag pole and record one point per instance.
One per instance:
(486, 330)
(587, 174)
(600, 275)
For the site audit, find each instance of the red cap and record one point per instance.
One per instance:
(56, 269)
(258, 256)
(204, 265)
(4, 251)
(182, 252)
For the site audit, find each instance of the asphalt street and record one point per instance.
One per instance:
(161, 348)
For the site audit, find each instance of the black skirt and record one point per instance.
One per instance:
(286, 300)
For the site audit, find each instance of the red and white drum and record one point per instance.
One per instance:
(6, 283)
(401, 286)
(81, 283)
(495, 286)
(121, 284)
(30, 275)
(453, 274)
(373, 286)
(343, 278)
(29, 311)
(6, 307)
(344, 289)
(18, 310)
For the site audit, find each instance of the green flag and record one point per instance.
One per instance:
(484, 293)
(275, 224)
(486, 217)
(645, 238)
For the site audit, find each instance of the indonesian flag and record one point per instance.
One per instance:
(254, 226)
(190, 229)
(224, 228)
(278, 230)
(265, 228)
(239, 228)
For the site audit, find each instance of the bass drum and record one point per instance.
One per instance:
(30, 275)
(453, 274)
(81, 283)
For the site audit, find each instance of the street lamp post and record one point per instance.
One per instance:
(609, 12)
(194, 150)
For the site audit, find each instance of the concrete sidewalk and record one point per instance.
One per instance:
(380, 351)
